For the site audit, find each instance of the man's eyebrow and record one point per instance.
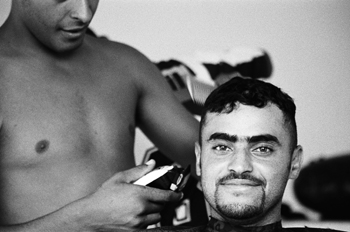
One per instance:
(263, 138)
(223, 136)
(252, 139)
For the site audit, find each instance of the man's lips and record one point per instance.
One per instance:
(73, 33)
(240, 182)
(74, 30)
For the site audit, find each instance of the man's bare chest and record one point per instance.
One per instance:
(49, 118)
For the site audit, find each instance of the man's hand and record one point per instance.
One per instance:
(119, 204)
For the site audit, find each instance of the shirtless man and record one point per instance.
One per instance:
(69, 105)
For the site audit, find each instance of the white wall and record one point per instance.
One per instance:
(309, 42)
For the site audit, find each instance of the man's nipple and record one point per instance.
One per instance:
(42, 146)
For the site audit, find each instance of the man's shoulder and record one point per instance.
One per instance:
(113, 48)
(120, 56)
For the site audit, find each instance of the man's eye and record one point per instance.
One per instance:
(221, 148)
(263, 150)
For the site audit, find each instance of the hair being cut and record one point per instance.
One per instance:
(252, 92)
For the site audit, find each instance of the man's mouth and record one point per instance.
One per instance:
(74, 31)
(240, 182)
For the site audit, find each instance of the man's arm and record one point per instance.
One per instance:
(116, 205)
(162, 117)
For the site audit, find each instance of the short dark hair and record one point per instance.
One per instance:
(252, 92)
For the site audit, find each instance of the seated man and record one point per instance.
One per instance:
(246, 153)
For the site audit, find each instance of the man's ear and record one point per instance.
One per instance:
(197, 150)
(297, 160)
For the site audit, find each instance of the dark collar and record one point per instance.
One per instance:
(215, 225)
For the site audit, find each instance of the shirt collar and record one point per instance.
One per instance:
(214, 225)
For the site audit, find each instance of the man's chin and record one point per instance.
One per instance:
(69, 49)
(66, 47)
(240, 207)
(239, 211)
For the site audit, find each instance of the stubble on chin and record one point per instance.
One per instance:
(238, 210)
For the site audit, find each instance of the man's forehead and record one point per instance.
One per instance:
(243, 112)
(246, 121)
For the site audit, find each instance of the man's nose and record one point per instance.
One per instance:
(81, 11)
(241, 162)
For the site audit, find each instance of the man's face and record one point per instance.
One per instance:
(244, 163)
(58, 24)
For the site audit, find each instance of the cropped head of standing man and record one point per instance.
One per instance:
(59, 26)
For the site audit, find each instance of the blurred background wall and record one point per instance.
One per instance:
(308, 41)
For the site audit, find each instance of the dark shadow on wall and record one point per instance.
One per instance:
(324, 186)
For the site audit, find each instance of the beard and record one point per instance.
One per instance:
(239, 211)
(227, 207)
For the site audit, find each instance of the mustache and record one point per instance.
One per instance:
(243, 176)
